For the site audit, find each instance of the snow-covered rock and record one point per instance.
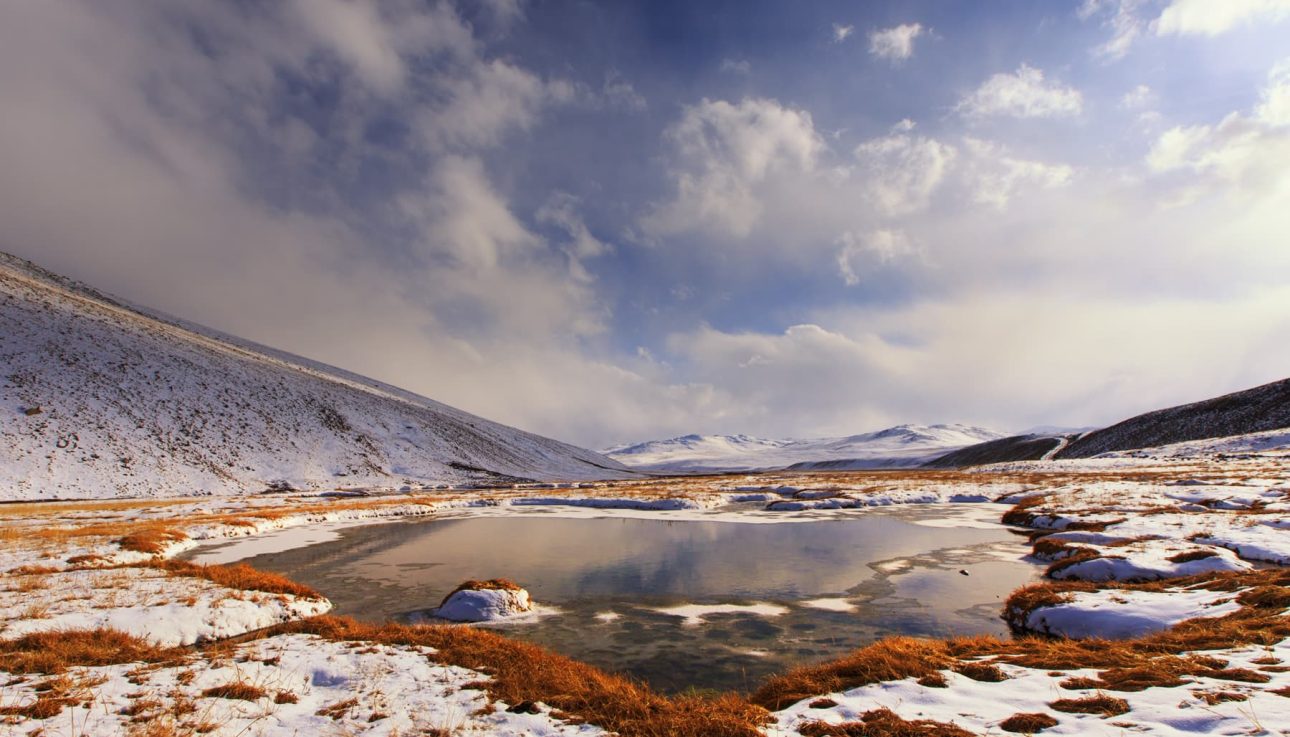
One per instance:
(485, 604)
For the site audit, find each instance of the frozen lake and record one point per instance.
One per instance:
(630, 592)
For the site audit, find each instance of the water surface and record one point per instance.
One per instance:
(878, 572)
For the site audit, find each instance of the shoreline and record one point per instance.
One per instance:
(1087, 521)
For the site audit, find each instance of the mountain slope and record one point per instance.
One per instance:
(900, 446)
(99, 399)
(1254, 410)
(1016, 448)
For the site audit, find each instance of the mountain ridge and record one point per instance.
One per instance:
(905, 445)
(103, 398)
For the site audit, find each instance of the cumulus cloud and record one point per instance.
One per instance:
(1248, 154)
(1122, 18)
(722, 153)
(1207, 18)
(996, 176)
(895, 44)
(878, 247)
(1023, 94)
(901, 171)
(841, 32)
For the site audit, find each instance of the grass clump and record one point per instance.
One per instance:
(1107, 706)
(151, 540)
(237, 690)
(56, 651)
(238, 576)
(1028, 723)
(883, 723)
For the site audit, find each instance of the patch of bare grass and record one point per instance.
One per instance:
(238, 576)
(56, 651)
(1107, 706)
(1028, 723)
(883, 723)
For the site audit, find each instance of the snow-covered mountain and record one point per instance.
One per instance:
(894, 447)
(100, 399)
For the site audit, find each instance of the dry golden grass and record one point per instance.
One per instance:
(1028, 723)
(887, 660)
(238, 576)
(520, 671)
(152, 540)
(883, 723)
(55, 652)
(238, 690)
(1107, 706)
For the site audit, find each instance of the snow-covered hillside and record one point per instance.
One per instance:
(100, 399)
(1256, 410)
(895, 447)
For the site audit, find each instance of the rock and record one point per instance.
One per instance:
(485, 601)
(964, 572)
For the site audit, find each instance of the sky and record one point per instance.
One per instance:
(612, 222)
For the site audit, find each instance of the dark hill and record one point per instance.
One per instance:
(1262, 408)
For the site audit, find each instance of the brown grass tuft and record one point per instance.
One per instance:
(152, 540)
(55, 652)
(883, 723)
(239, 690)
(984, 672)
(238, 576)
(1028, 723)
(1107, 706)
(1190, 555)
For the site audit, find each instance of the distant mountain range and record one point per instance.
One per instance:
(894, 447)
(99, 398)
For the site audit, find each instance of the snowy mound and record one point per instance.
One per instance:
(487, 601)
(101, 399)
(894, 447)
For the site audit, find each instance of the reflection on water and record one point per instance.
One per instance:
(901, 578)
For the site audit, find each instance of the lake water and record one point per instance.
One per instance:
(810, 590)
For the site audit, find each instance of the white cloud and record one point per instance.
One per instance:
(895, 44)
(995, 176)
(1211, 17)
(841, 32)
(1024, 94)
(722, 153)
(1250, 154)
(560, 210)
(901, 171)
(1122, 19)
(491, 100)
(1138, 98)
(882, 247)
(1274, 109)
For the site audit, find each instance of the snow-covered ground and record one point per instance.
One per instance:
(1107, 521)
(895, 447)
(99, 399)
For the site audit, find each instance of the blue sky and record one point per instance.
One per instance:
(610, 222)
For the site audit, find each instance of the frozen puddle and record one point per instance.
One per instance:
(685, 603)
